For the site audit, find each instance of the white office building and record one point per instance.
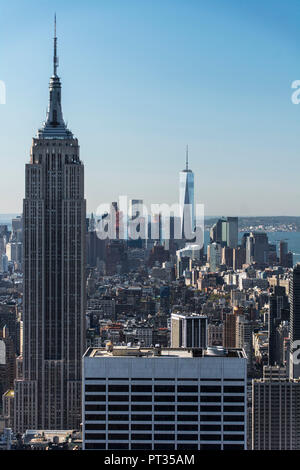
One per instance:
(164, 399)
(188, 330)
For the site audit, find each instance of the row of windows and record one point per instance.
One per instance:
(166, 388)
(164, 437)
(124, 417)
(162, 379)
(163, 427)
(166, 398)
(144, 408)
(136, 446)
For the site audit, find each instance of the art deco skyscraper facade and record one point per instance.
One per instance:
(48, 395)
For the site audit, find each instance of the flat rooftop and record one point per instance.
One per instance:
(188, 315)
(136, 351)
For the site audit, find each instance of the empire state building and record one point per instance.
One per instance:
(48, 385)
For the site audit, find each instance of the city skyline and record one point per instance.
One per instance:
(144, 108)
(132, 317)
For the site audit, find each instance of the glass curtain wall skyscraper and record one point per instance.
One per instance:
(186, 198)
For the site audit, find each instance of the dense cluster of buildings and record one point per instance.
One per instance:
(154, 343)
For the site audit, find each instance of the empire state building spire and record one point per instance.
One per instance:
(55, 58)
(54, 127)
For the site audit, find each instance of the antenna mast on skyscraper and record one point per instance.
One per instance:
(187, 158)
(55, 58)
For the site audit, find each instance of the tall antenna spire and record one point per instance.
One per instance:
(54, 125)
(187, 158)
(55, 58)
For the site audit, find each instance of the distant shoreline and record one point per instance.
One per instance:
(246, 224)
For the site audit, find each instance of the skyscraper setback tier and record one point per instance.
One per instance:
(48, 395)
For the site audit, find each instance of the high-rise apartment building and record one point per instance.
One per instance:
(294, 323)
(214, 254)
(285, 256)
(238, 257)
(283, 251)
(164, 399)
(278, 303)
(215, 233)
(225, 232)
(230, 232)
(257, 248)
(223, 243)
(244, 331)
(48, 396)
(7, 362)
(14, 252)
(275, 414)
(230, 330)
(227, 256)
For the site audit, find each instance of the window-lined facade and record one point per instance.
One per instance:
(159, 413)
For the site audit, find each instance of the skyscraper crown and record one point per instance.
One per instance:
(54, 127)
(187, 170)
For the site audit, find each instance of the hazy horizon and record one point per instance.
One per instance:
(15, 214)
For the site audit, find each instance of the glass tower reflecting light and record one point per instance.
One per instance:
(186, 195)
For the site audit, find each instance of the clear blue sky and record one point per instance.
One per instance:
(141, 79)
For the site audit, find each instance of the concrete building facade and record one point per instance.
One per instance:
(164, 399)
